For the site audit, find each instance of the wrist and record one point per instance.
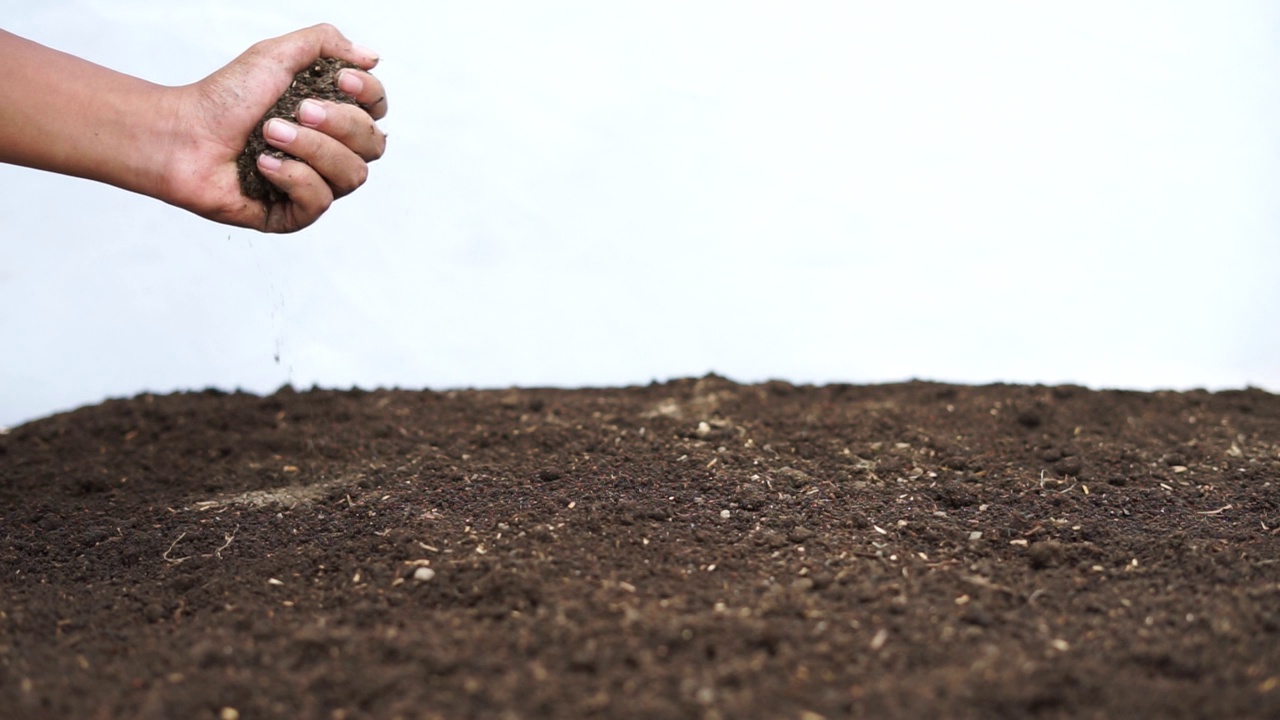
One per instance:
(142, 130)
(167, 148)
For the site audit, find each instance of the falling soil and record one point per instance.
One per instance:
(318, 81)
(696, 549)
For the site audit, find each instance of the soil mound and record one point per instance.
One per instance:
(695, 549)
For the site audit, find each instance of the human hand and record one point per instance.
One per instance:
(333, 141)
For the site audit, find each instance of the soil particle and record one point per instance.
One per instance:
(1045, 554)
(692, 549)
(1072, 466)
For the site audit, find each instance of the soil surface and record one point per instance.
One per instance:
(695, 549)
(318, 81)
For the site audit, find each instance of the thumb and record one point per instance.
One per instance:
(300, 48)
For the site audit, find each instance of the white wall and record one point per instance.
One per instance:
(581, 193)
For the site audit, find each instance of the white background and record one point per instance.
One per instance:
(587, 193)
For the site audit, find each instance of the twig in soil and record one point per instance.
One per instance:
(1214, 512)
(985, 583)
(218, 553)
(166, 557)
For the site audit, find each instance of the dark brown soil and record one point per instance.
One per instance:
(318, 81)
(696, 549)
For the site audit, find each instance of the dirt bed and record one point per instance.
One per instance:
(696, 549)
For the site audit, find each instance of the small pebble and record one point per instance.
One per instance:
(725, 514)
(423, 574)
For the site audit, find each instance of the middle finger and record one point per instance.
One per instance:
(347, 124)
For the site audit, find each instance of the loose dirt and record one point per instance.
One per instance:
(696, 549)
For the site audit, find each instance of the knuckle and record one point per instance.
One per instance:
(359, 174)
(350, 125)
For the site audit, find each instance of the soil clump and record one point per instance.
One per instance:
(318, 81)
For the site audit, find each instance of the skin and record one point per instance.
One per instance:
(180, 144)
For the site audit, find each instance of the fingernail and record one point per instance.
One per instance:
(349, 82)
(281, 131)
(269, 163)
(311, 113)
(366, 52)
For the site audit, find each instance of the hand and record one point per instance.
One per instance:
(334, 142)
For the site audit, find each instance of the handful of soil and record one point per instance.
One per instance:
(318, 81)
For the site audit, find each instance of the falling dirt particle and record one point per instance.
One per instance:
(273, 581)
(1060, 645)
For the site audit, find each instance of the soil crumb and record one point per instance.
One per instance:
(318, 81)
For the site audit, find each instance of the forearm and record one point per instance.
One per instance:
(66, 115)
